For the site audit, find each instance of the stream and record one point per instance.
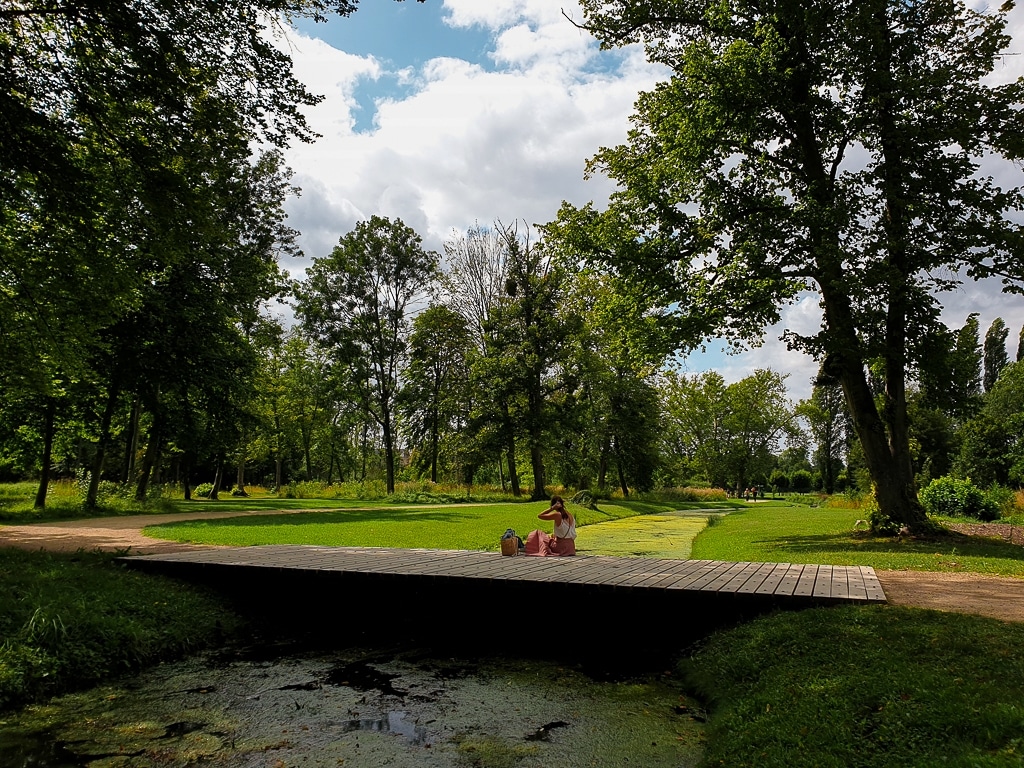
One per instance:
(283, 706)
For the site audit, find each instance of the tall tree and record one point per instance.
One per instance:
(995, 352)
(97, 100)
(825, 413)
(358, 301)
(826, 146)
(696, 409)
(993, 441)
(435, 392)
(530, 329)
(473, 285)
(609, 412)
(729, 432)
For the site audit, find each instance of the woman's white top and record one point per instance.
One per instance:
(566, 530)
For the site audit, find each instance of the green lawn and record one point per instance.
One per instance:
(461, 526)
(871, 687)
(768, 531)
(775, 532)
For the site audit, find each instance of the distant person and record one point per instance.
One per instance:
(563, 542)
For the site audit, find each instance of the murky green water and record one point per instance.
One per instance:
(359, 708)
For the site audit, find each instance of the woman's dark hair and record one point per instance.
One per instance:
(561, 503)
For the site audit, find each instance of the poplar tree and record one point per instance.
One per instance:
(995, 352)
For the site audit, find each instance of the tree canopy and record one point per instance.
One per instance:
(356, 301)
(815, 146)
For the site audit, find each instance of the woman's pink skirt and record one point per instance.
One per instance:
(540, 544)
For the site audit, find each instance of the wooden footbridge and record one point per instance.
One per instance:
(455, 587)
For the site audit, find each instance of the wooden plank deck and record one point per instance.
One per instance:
(806, 584)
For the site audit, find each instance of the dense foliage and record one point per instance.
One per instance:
(802, 146)
(141, 235)
(72, 620)
(950, 497)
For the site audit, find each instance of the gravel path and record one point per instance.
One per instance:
(993, 596)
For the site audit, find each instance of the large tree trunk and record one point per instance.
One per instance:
(363, 450)
(618, 468)
(151, 458)
(307, 439)
(513, 475)
(886, 452)
(537, 464)
(44, 471)
(218, 478)
(186, 476)
(132, 441)
(434, 439)
(536, 398)
(101, 448)
(510, 450)
(893, 470)
(389, 452)
(602, 464)
(240, 476)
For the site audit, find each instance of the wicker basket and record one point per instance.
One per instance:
(509, 547)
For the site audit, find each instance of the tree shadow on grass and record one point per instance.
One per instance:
(246, 504)
(839, 543)
(341, 517)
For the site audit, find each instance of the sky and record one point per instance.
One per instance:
(450, 113)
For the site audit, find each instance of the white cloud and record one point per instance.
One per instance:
(463, 144)
(500, 14)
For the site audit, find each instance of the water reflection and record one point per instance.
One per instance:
(394, 723)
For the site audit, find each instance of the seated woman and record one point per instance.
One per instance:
(539, 544)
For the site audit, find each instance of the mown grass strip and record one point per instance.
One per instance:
(781, 534)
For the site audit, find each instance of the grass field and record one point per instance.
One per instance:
(776, 532)
(462, 526)
(871, 687)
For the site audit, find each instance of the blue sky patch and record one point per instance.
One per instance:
(402, 34)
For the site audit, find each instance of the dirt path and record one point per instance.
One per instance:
(109, 533)
(993, 596)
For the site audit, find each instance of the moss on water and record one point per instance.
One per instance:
(440, 712)
(667, 536)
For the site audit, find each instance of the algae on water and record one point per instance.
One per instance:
(362, 708)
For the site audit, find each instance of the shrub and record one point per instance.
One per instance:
(203, 490)
(690, 494)
(957, 498)
(1005, 499)
(880, 522)
(801, 481)
(779, 481)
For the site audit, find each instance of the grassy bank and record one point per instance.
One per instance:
(867, 687)
(72, 620)
(775, 532)
(439, 527)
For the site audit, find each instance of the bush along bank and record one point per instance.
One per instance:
(69, 621)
